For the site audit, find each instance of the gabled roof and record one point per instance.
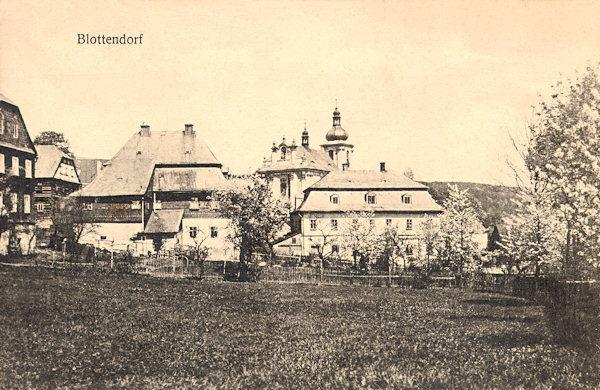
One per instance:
(365, 179)
(302, 158)
(129, 172)
(168, 147)
(5, 99)
(164, 222)
(121, 177)
(48, 160)
(23, 142)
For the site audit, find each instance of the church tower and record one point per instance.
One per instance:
(337, 147)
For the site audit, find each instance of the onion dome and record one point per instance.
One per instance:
(336, 133)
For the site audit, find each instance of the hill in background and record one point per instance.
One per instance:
(495, 202)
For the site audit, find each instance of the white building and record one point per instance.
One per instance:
(392, 198)
(157, 191)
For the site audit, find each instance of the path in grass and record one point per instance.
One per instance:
(62, 328)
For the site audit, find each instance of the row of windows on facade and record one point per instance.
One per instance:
(137, 204)
(14, 202)
(9, 126)
(370, 199)
(335, 249)
(15, 166)
(334, 223)
(214, 232)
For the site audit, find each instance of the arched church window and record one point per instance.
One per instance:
(283, 152)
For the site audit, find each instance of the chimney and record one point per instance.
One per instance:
(189, 130)
(382, 167)
(145, 131)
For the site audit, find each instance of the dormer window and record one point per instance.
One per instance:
(194, 204)
(283, 152)
(406, 199)
(370, 198)
(334, 199)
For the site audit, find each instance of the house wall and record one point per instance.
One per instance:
(219, 247)
(117, 236)
(324, 227)
(298, 181)
(20, 177)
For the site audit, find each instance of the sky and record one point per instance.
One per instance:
(435, 86)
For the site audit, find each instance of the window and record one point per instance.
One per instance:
(15, 166)
(294, 240)
(89, 206)
(1, 123)
(388, 222)
(335, 249)
(409, 224)
(406, 199)
(372, 223)
(27, 204)
(409, 250)
(2, 209)
(283, 151)
(40, 207)
(157, 204)
(16, 130)
(283, 187)
(136, 205)
(314, 249)
(2, 166)
(214, 232)
(28, 168)
(331, 154)
(8, 126)
(370, 198)
(193, 231)
(334, 199)
(313, 224)
(194, 204)
(14, 200)
(334, 224)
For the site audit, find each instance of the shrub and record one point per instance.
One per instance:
(573, 312)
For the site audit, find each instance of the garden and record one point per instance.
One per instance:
(79, 328)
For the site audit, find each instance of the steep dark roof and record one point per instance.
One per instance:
(5, 99)
(88, 168)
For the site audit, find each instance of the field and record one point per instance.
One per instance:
(86, 329)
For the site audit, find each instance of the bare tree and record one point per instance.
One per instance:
(198, 252)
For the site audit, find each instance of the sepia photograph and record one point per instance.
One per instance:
(306, 194)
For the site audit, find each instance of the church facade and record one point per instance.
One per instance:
(291, 168)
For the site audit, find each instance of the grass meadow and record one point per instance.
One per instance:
(78, 329)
